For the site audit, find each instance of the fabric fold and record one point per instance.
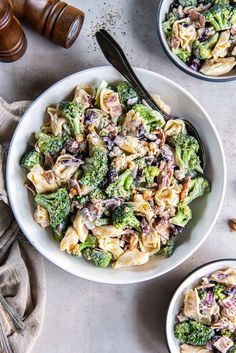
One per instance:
(22, 274)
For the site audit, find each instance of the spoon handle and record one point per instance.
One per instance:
(116, 57)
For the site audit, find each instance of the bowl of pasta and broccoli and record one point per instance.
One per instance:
(199, 36)
(110, 190)
(201, 315)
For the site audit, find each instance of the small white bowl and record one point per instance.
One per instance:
(163, 9)
(205, 209)
(190, 281)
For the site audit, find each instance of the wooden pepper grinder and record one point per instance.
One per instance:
(54, 19)
(12, 38)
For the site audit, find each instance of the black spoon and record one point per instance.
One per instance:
(116, 57)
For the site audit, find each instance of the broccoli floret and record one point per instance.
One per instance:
(123, 216)
(186, 3)
(168, 24)
(221, 17)
(82, 200)
(150, 172)
(193, 332)
(140, 162)
(30, 159)
(97, 194)
(49, 144)
(122, 186)
(186, 149)
(221, 2)
(95, 168)
(219, 291)
(169, 248)
(73, 112)
(197, 187)
(227, 333)
(57, 204)
(89, 243)
(202, 50)
(183, 54)
(127, 95)
(233, 349)
(152, 118)
(99, 257)
(182, 216)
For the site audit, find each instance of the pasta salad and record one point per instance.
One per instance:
(202, 33)
(207, 321)
(111, 178)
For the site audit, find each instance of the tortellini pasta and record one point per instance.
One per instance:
(131, 123)
(41, 216)
(38, 179)
(185, 33)
(174, 127)
(107, 231)
(227, 276)
(56, 123)
(162, 104)
(131, 258)
(131, 144)
(84, 94)
(70, 242)
(110, 103)
(64, 168)
(167, 197)
(192, 308)
(186, 348)
(112, 245)
(219, 66)
(222, 46)
(142, 207)
(80, 227)
(151, 241)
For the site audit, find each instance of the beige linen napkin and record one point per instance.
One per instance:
(22, 275)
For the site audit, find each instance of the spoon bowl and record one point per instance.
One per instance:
(117, 58)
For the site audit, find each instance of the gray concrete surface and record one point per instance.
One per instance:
(81, 316)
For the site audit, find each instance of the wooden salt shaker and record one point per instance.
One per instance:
(12, 38)
(54, 19)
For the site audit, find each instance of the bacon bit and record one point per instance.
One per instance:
(162, 228)
(232, 224)
(197, 18)
(233, 29)
(185, 187)
(165, 176)
(49, 176)
(223, 344)
(224, 323)
(161, 136)
(116, 111)
(175, 42)
(112, 99)
(49, 161)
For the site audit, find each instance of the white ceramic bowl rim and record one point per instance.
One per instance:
(145, 276)
(205, 265)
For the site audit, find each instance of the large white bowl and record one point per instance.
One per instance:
(205, 210)
(177, 300)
